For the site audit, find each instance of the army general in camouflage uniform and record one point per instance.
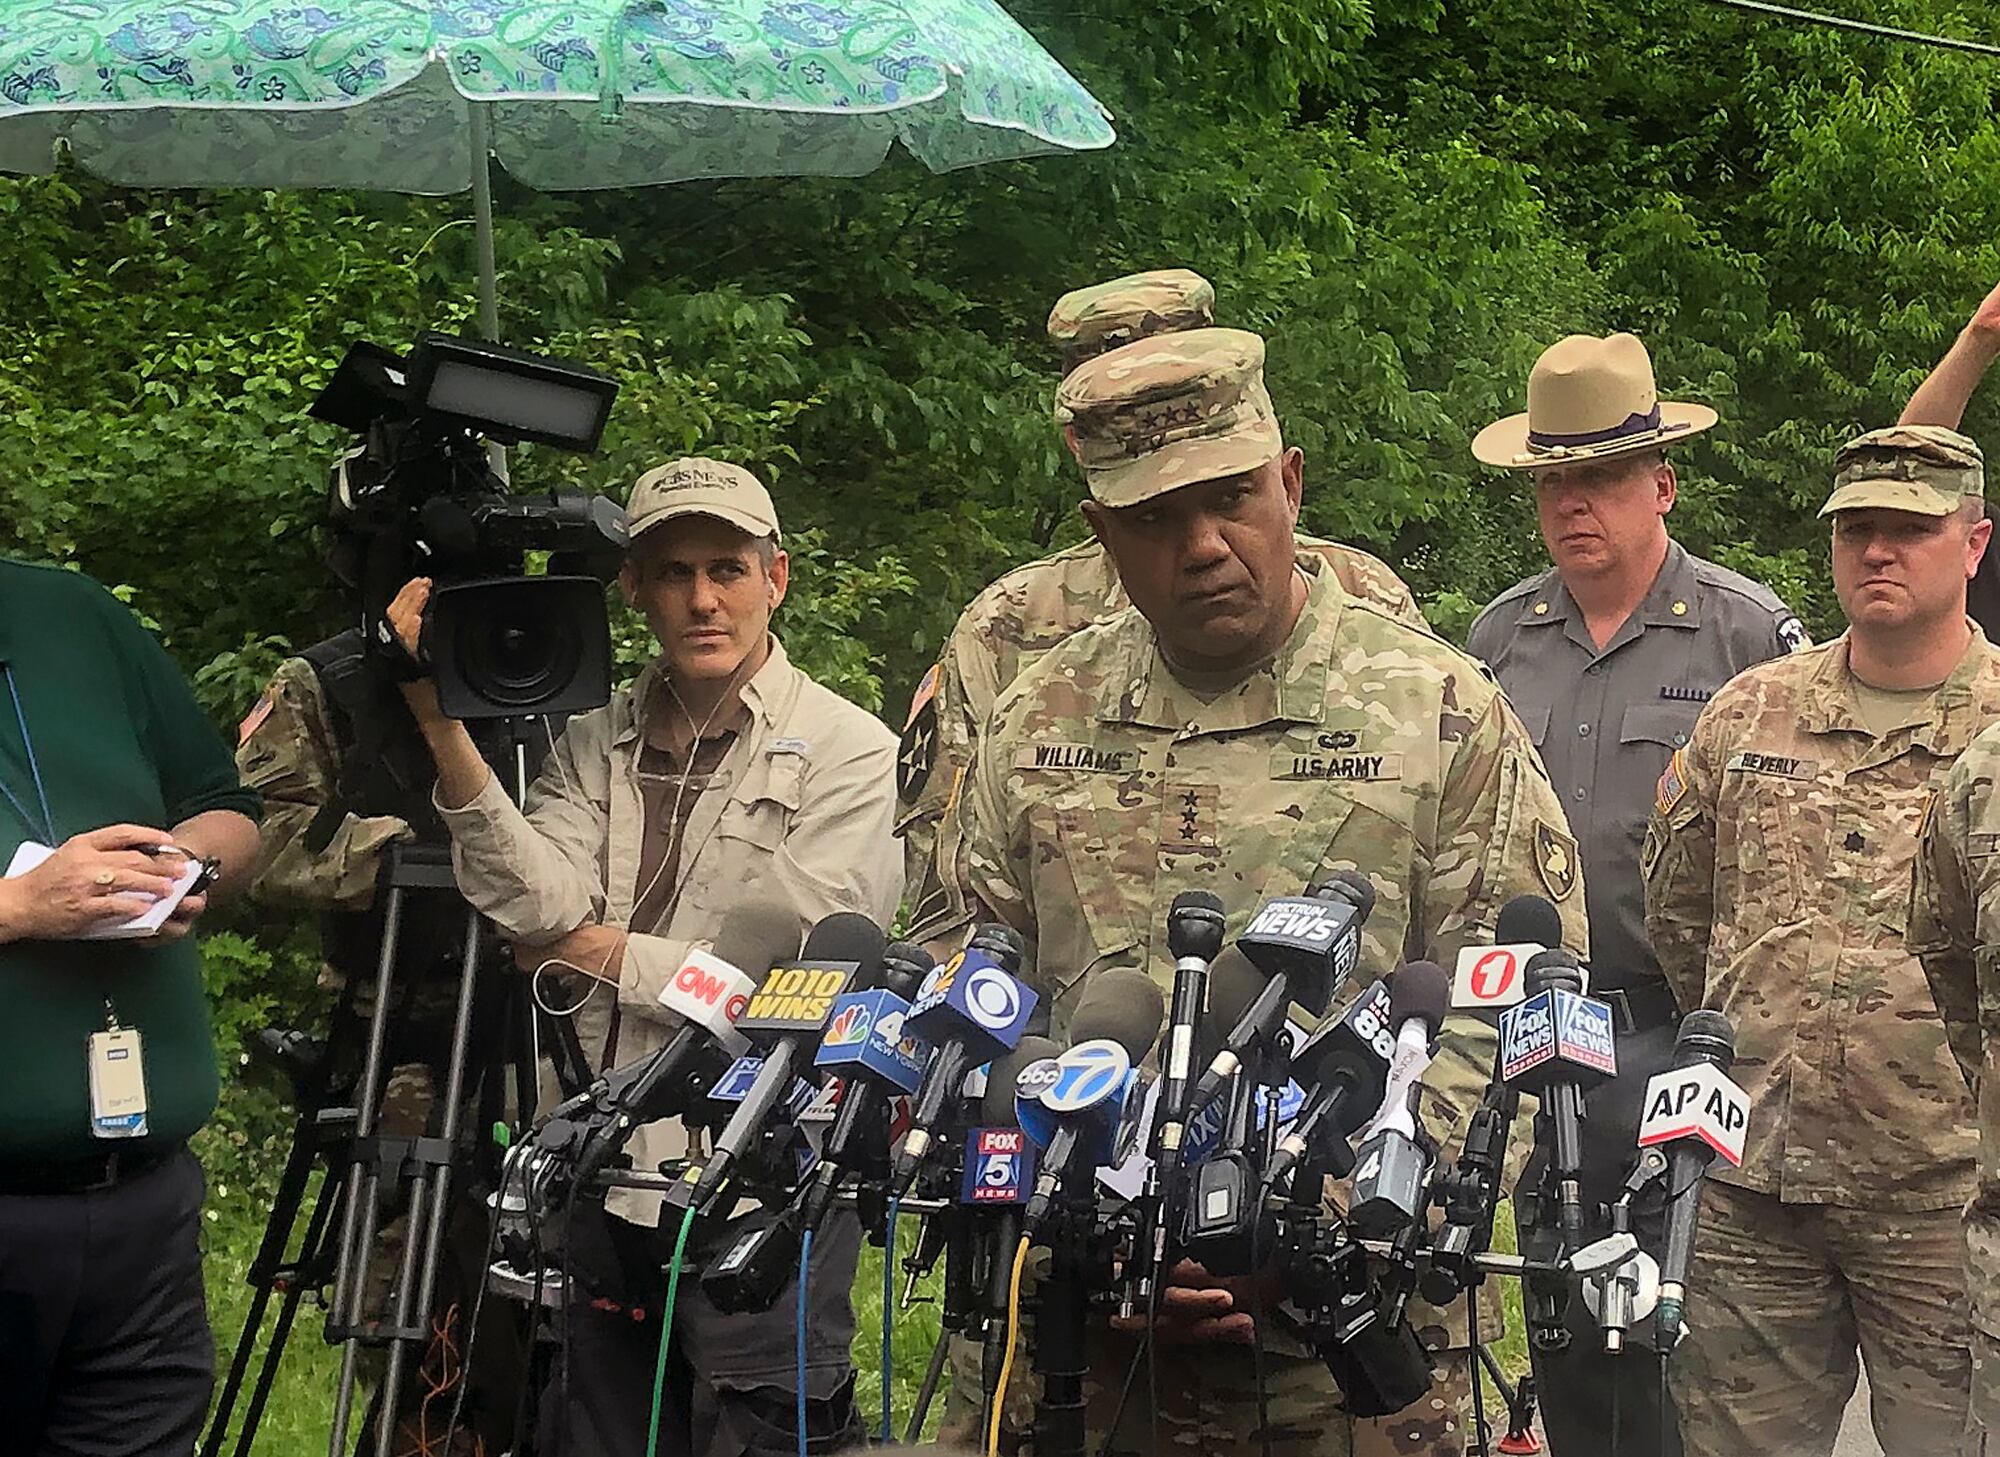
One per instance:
(1245, 727)
(1034, 607)
(1954, 929)
(1777, 870)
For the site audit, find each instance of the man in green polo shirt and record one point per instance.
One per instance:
(111, 781)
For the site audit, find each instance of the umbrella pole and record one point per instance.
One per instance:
(482, 218)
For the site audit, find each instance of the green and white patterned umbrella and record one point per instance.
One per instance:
(414, 97)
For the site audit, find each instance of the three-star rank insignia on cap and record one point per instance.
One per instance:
(1555, 860)
(918, 750)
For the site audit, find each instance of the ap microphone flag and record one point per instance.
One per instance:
(1696, 1102)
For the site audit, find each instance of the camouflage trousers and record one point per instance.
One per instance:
(1208, 1404)
(1780, 1298)
(1982, 1427)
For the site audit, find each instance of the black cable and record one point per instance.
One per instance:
(1667, 1422)
(1480, 1429)
(479, 1304)
(1841, 22)
(1150, 1348)
(1125, 1394)
(1616, 1412)
(1257, 1327)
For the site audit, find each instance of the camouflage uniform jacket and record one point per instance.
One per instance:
(1104, 787)
(800, 811)
(291, 755)
(1777, 869)
(1955, 932)
(1004, 630)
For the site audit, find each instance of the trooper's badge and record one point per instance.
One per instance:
(1555, 860)
(1792, 635)
(919, 745)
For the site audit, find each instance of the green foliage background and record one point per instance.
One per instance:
(1410, 201)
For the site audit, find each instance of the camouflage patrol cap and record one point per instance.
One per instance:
(1926, 469)
(1169, 411)
(694, 485)
(1088, 321)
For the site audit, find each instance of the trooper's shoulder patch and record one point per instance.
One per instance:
(1555, 860)
(1792, 635)
(1673, 785)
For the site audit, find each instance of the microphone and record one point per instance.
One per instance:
(1346, 1066)
(709, 992)
(1554, 1045)
(1493, 977)
(1194, 937)
(971, 1009)
(1071, 1105)
(867, 1044)
(1393, 1166)
(786, 1012)
(1305, 946)
(1694, 1111)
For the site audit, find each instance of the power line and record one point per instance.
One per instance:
(1839, 22)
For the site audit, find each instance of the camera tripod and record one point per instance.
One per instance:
(340, 1115)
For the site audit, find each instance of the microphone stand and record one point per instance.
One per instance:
(1062, 1311)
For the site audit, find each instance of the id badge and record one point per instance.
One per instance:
(117, 1084)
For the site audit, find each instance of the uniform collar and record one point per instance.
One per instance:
(768, 695)
(1827, 704)
(1292, 688)
(1674, 600)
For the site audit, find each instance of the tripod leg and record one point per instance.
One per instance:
(266, 1269)
(357, 1218)
(311, 1256)
(429, 1197)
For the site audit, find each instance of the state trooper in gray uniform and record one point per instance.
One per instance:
(1609, 657)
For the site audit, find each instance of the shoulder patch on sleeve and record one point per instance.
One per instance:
(1792, 634)
(917, 751)
(1673, 786)
(927, 687)
(1555, 860)
(254, 719)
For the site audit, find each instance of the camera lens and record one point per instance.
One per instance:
(518, 660)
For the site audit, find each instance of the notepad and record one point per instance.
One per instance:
(146, 923)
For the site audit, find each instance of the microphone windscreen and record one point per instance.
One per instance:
(1123, 1004)
(1705, 1036)
(1552, 968)
(1421, 989)
(1528, 920)
(904, 966)
(756, 935)
(1350, 885)
(1233, 984)
(996, 1108)
(848, 936)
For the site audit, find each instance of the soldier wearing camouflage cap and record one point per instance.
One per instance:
(1032, 608)
(1609, 656)
(1246, 727)
(1777, 870)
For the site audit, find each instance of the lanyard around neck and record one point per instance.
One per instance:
(47, 826)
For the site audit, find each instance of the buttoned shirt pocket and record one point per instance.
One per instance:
(1534, 719)
(1758, 876)
(748, 833)
(1095, 861)
(1670, 725)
